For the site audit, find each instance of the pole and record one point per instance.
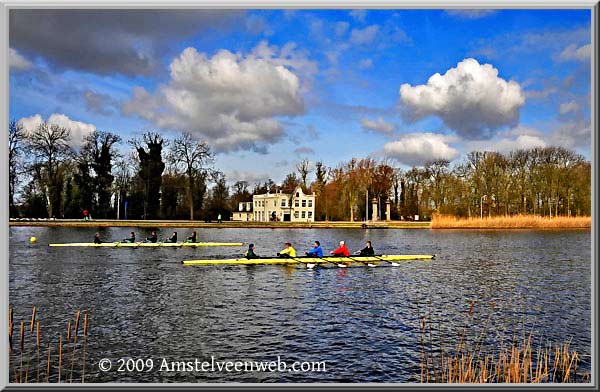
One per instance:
(118, 203)
(367, 206)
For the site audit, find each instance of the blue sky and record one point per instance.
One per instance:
(267, 88)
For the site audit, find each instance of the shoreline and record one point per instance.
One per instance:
(474, 225)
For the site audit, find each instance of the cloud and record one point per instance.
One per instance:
(507, 144)
(17, 62)
(541, 94)
(251, 177)
(304, 150)
(415, 149)
(573, 53)
(258, 25)
(378, 125)
(568, 107)
(358, 15)
(470, 14)
(572, 134)
(129, 42)
(79, 130)
(228, 99)
(470, 99)
(341, 28)
(363, 36)
(365, 64)
(99, 103)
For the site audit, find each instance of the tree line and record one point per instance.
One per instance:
(176, 179)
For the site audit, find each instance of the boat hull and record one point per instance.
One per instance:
(365, 260)
(147, 244)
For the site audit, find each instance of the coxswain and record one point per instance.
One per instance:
(250, 252)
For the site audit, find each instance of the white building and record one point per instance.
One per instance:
(284, 207)
(244, 212)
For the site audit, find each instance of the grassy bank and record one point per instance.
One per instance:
(223, 225)
(512, 222)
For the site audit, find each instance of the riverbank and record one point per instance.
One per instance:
(512, 222)
(222, 225)
(439, 222)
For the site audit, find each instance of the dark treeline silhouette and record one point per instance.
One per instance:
(175, 179)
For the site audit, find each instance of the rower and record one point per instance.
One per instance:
(173, 238)
(97, 239)
(341, 251)
(316, 251)
(153, 237)
(288, 252)
(250, 253)
(131, 238)
(367, 250)
(193, 237)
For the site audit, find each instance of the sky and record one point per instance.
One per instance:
(268, 88)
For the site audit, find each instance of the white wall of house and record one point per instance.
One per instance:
(294, 207)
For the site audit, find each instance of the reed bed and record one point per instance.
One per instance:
(518, 360)
(511, 222)
(57, 357)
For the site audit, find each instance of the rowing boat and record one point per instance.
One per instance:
(147, 244)
(342, 261)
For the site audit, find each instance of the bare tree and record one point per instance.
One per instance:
(50, 148)
(193, 158)
(16, 137)
(303, 168)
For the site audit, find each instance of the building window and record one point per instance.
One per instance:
(296, 214)
(283, 202)
(310, 203)
(297, 194)
(310, 214)
(303, 203)
(297, 203)
(303, 214)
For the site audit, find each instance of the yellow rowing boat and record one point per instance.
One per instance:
(147, 244)
(345, 261)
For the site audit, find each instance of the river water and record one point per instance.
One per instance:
(363, 323)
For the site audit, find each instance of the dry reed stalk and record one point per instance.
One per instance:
(85, 330)
(59, 356)
(21, 347)
(37, 379)
(48, 368)
(77, 318)
(510, 222)
(69, 330)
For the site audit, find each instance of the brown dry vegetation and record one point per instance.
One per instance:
(516, 361)
(512, 222)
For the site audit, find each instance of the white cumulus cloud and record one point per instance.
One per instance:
(378, 125)
(470, 99)
(79, 130)
(228, 99)
(17, 62)
(572, 52)
(416, 149)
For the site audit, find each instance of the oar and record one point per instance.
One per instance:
(362, 261)
(394, 264)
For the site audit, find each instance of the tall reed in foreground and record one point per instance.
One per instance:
(27, 362)
(511, 222)
(518, 361)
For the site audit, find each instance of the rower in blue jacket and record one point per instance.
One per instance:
(316, 251)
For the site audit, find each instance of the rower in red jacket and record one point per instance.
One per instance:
(341, 251)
